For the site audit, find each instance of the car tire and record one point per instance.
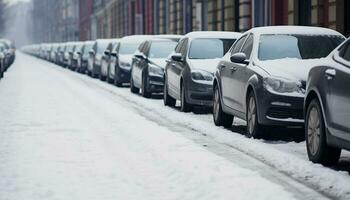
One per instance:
(117, 82)
(185, 106)
(145, 92)
(167, 99)
(220, 118)
(316, 138)
(254, 129)
(133, 89)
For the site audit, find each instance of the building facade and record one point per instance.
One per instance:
(67, 20)
(126, 17)
(55, 21)
(85, 12)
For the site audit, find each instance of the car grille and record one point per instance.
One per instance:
(285, 113)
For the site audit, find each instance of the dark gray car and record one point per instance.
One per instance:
(148, 63)
(97, 54)
(263, 77)
(327, 107)
(189, 72)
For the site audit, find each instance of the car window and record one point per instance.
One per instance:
(248, 46)
(179, 46)
(297, 46)
(128, 47)
(209, 48)
(184, 47)
(237, 46)
(345, 51)
(161, 49)
(141, 46)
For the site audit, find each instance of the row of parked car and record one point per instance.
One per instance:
(269, 76)
(7, 55)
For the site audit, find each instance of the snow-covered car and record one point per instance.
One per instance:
(327, 107)
(76, 57)
(189, 72)
(53, 53)
(82, 67)
(61, 50)
(96, 54)
(121, 57)
(148, 63)
(68, 54)
(11, 51)
(106, 60)
(2, 60)
(262, 79)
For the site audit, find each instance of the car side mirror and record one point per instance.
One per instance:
(139, 55)
(177, 57)
(79, 53)
(239, 58)
(107, 53)
(114, 54)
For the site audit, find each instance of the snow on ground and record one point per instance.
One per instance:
(59, 139)
(66, 136)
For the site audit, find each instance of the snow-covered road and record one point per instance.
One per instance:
(66, 136)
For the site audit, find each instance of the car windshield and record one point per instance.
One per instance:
(101, 47)
(161, 49)
(78, 47)
(128, 48)
(209, 48)
(87, 48)
(297, 46)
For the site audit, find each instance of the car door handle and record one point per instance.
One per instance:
(330, 74)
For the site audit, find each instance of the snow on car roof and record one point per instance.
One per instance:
(306, 30)
(135, 38)
(213, 34)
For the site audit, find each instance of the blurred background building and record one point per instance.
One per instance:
(66, 20)
(56, 21)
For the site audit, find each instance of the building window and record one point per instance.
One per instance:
(304, 12)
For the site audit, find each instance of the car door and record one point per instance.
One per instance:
(137, 65)
(226, 71)
(239, 77)
(175, 69)
(338, 79)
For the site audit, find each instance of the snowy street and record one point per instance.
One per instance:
(64, 135)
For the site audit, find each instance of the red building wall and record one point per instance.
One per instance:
(85, 11)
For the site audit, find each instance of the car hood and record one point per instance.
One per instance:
(208, 65)
(127, 58)
(160, 62)
(290, 68)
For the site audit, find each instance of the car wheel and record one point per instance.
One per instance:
(145, 92)
(133, 89)
(254, 129)
(185, 107)
(117, 82)
(109, 79)
(315, 134)
(220, 118)
(167, 99)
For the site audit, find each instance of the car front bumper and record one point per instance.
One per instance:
(200, 93)
(280, 110)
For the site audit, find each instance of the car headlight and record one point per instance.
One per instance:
(125, 65)
(200, 75)
(281, 85)
(155, 71)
